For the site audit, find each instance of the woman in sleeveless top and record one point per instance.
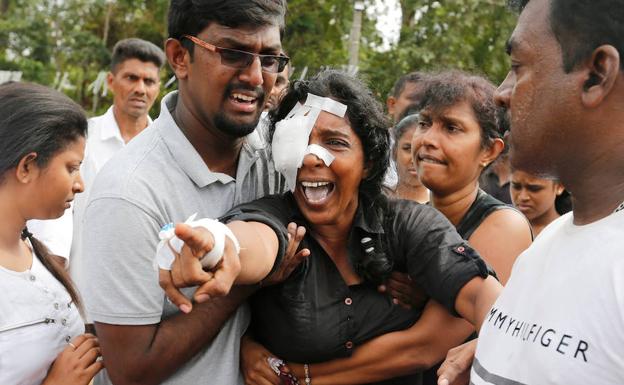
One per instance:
(459, 135)
(42, 340)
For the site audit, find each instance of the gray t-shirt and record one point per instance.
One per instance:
(156, 179)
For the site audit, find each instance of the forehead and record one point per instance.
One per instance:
(137, 66)
(330, 123)
(524, 177)
(533, 33)
(260, 39)
(460, 110)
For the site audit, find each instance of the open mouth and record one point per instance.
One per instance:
(244, 100)
(316, 192)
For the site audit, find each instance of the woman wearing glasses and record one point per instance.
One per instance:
(42, 139)
(328, 308)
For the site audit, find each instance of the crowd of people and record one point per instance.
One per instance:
(263, 230)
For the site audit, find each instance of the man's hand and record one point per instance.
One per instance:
(404, 291)
(292, 258)
(455, 369)
(187, 270)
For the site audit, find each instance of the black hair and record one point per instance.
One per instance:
(366, 117)
(447, 88)
(38, 119)
(580, 26)
(190, 17)
(399, 85)
(134, 48)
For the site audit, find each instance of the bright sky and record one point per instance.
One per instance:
(388, 14)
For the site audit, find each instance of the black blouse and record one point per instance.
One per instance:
(314, 316)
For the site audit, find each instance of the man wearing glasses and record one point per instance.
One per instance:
(193, 159)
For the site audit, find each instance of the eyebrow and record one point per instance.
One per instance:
(235, 44)
(334, 132)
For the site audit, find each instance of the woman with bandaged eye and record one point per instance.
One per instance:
(326, 323)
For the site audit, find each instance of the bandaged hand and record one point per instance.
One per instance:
(188, 266)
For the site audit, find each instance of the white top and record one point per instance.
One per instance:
(560, 319)
(37, 319)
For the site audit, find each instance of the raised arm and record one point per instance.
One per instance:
(259, 249)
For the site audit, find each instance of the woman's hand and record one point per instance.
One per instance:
(187, 269)
(455, 369)
(292, 257)
(404, 291)
(255, 365)
(77, 363)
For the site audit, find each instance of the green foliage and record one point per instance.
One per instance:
(463, 34)
(46, 39)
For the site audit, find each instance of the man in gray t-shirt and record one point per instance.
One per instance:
(194, 158)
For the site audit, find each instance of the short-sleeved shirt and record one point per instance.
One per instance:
(315, 316)
(560, 318)
(156, 179)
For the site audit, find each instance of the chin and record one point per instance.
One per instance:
(237, 129)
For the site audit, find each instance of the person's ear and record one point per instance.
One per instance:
(110, 81)
(178, 57)
(559, 188)
(603, 69)
(27, 168)
(390, 104)
(492, 152)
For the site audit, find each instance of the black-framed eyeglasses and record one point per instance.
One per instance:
(242, 59)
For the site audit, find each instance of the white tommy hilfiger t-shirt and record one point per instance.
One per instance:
(560, 319)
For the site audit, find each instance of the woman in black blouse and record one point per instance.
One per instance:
(328, 308)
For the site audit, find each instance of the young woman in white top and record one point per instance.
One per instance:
(42, 340)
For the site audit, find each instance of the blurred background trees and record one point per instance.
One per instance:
(67, 43)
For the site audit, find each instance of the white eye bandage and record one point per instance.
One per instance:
(292, 134)
(169, 241)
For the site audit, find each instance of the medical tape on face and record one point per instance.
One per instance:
(292, 134)
(170, 243)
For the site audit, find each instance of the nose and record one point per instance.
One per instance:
(523, 195)
(78, 186)
(429, 136)
(503, 92)
(311, 160)
(140, 87)
(252, 74)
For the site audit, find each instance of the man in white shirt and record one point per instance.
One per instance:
(560, 318)
(134, 81)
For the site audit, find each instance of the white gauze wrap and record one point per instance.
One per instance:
(292, 134)
(169, 242)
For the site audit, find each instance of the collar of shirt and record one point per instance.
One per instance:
(111, 129)
(185, 154)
